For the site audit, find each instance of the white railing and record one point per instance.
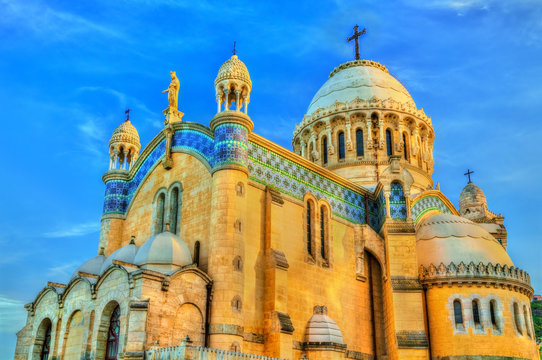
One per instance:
(189, 352)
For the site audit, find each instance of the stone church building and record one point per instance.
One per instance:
(216, 243)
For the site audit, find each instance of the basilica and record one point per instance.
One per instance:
(217, 243)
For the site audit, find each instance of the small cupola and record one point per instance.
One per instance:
(124, 146)
(233, 85)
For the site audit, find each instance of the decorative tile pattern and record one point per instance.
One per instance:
(231, 143)
(119, 193)
(269, 168)
(195, 141)
(231, 146)
(426, 204)
(398, 209)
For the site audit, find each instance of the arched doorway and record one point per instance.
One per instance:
(108, 339)
(376, 297)
(42, 342)
(113, 335)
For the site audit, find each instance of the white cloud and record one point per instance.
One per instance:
(63, 271)
(74, 230)
(12, 314)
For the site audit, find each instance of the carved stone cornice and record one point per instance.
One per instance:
(482, 274)
(407, 108)
(400, 226)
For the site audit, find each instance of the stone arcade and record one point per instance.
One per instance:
(216, 243)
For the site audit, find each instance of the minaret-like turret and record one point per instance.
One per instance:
(124, 146)
(231, 128)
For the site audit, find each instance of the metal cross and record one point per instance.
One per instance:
(127, 112)
(468, 174)
(234, 52)
(355, 37)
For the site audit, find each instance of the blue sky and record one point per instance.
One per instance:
(69, 69)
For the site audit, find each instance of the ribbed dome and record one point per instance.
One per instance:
(165, 251)
(472, 201)
(91, 266)
(233, 68)
(125, 254)
(322, 329)
(126, 133)
(362, 79)
(446, 238)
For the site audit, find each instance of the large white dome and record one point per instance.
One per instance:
(361, 79)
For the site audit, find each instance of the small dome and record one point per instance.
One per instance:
(322, 329)
(165, 252)
(233, 69)
(361, 79)
(472, 202)
(125, 133)
(91, 266)
(446, 238)
(125, 254)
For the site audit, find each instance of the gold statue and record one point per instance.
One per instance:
(173, 91)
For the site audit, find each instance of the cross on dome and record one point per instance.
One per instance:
(468, 174)
(355, 37)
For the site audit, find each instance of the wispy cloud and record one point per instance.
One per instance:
(74, 230)
(63, 271)
(12, 314)
(48, 23)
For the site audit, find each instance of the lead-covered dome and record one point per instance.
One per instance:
(446, 238)
(363, 79)
(91, 266)
(163, 252)
(322, 329)
(125, 254)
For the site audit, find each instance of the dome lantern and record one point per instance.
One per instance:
(233, 85)
(124, 145)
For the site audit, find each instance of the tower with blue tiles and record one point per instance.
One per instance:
(231, 127)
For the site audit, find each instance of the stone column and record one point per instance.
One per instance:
(348, 135)
(330, 147)
(219, 103)
(302, 143)
(237, 105)
(226, 102)
(245, 98)
(368, 121)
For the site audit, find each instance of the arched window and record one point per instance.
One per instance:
(112, 347)
(359, 142)
(493, 314)
(517, 318)
(46, 347)
(174, 210)
(323, 232)
(405, 146)
(341, 145)
(159, 211)
(389, 145)
(458, 313)
(475, 312)
(310, 212)
(324, 149)
(527, 323)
